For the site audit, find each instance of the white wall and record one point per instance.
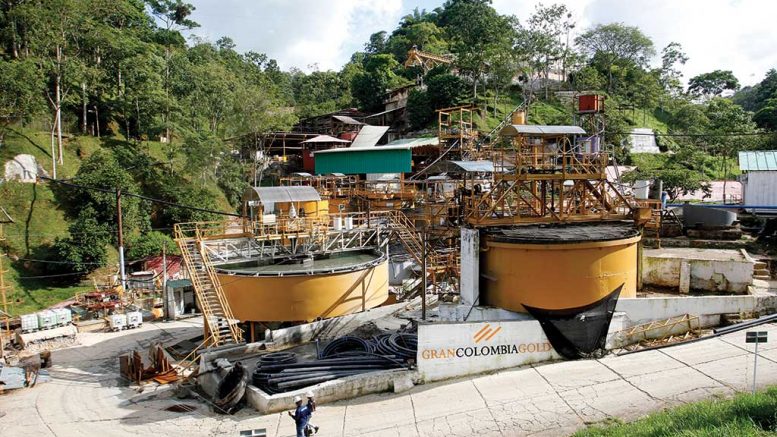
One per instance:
(447, 350)
(758, 188)
(682, 271)
(646, 309)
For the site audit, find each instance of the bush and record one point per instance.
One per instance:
(84, 250)
(144, 245)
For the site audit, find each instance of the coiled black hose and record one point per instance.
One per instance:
(347, 344)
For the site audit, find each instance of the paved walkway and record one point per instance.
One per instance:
(86, 397)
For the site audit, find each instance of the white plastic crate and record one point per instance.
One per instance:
(29, 322)
(64, 317)
(134, 319)
(117, 322)
(46, 319)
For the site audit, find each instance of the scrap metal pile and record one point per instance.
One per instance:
(345, 356)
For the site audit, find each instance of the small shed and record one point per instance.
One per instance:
(759, 177)
(293, 202)
(180, 299)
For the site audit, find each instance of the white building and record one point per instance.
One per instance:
(759, 177)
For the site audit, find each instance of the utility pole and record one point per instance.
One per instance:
(121, 240)
(165, 297)
(4, 219)
(423, 268)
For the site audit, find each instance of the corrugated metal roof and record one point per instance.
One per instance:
(540, 130)
(361, 149)
(462, 167)
(765, 160)
(281, 194)
(179, 283)
(325, 139)
(396, 159)
(346, 119)
(415, 142)
(369, 136)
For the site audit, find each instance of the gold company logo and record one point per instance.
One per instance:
(486, 333)
(483, 335)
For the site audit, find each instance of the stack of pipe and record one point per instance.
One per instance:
(345, 356)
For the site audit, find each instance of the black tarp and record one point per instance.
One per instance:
(578, 332)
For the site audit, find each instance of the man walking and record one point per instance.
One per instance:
(301, 416)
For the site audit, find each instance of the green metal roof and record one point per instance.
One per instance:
(179, 283)
(365, 160)
(765, 160)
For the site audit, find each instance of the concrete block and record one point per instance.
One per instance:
(470, 266)
(330, 391)
(710, 269)
(685, 277)
(403, 383)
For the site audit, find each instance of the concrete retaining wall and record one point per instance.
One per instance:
(695, 269)
(447, 350)
(330, 391)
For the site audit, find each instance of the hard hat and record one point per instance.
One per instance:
(309, 394)
(297, 399)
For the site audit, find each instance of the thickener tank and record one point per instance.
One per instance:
(555, 267)
(305, 289)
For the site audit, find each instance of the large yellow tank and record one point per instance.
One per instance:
(333, 286)
(557, 267)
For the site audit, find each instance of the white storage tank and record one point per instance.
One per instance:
(46, 319)
(337, 223)
(134, 319)
(64, 317)
(29, 322)
(117, 322)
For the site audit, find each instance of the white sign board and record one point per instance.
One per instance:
(447, 350)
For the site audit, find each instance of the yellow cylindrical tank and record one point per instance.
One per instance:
(278, 294)
(558, 268)
(519, 117)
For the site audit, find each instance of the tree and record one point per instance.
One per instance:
(712, 84)
(419, 109)
(84, 250)
(377, 43)
(766, 117)
(370, 85)
(615, 45)
(545, 40)
(102, 171)
(174, 14)
(444, 90)
(477, 32)
(672, 56)
(726, 120)
(20, 86)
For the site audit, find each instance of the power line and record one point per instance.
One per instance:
(150, 199)
(51, 276)
(57, 262)
(696, 135)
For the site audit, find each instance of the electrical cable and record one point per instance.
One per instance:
(51, 276)
(138, 196)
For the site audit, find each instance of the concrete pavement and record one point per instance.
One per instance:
(86, 396)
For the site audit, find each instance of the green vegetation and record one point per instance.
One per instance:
(744, 415)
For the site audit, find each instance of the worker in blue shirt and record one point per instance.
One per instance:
(301, 416)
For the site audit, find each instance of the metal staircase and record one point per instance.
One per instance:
(404, 229)
(219, 321)
(507, 119)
